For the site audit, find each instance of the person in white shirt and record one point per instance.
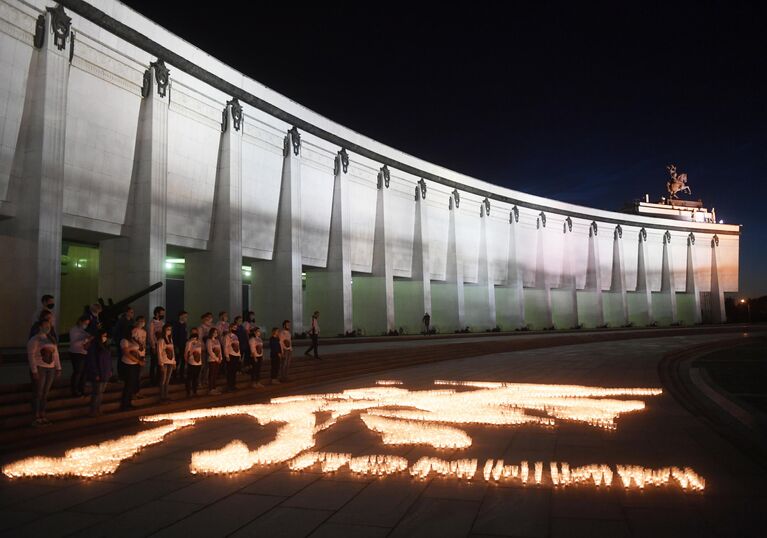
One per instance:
(256, 346)
(79, 340)
(314, 334)
(123, 327)
(139, 334)
(213, 347)
(130, 350)
(193, 358)
(155, 327)
(45, 366)
(206, 324)
(286, 344)
(232, 354)
(166, 359)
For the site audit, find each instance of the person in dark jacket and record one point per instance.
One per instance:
(243, 338)
(93, 312)
(122, 329)
(98, 369)
(275, 356)
(79, 341)
(180, 336)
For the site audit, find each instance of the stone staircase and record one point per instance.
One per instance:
(70, 414)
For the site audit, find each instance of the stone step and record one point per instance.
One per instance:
(71, 418)
(18, 415)
(69, 422)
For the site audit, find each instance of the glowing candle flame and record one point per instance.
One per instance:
(464, 468)
(400, 432)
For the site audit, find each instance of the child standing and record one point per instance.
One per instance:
(206, 324)
(213, 347)
(286, 339)
(155, 327)
(138, 334)
(45, 366)
(132, 361)
(256, 346)
(166, 359)
(193, 358)
(232, 354)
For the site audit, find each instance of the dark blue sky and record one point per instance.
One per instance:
(582, 103)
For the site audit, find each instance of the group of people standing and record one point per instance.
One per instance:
(89, 351)
(196, 356)
(200, 355)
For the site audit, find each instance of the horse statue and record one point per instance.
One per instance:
(677, 183)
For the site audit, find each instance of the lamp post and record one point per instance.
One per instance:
(748, 306)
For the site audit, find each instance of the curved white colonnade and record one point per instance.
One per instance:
(117, 132)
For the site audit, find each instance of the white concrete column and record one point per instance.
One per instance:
(276, 285)
(213, 278)
(667, 284)
(568, 274)
(691, 285)
(137, 259)
(718, 313)
(486, 280)
(515, 303)
(31, 241)
(541, 280)
(455, 314)
(643, 287)
(421, 269)
(374, 293)
(594, 274)
(333, 296)
(618, 279)
(383, 271)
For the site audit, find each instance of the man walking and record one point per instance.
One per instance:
(314, 334)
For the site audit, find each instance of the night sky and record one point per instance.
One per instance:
(582, 103)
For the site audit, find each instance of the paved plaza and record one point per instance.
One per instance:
(155, 493)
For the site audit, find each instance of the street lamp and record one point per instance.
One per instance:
(748, 305)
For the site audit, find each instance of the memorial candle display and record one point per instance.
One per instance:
(430, 418)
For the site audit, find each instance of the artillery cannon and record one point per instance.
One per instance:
(111, 310)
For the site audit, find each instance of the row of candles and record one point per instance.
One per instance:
(560, 473)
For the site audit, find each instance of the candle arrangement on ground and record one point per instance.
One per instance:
(401, 417)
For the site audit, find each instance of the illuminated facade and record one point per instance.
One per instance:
(120, 135)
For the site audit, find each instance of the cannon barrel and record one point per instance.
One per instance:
(110, 311)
